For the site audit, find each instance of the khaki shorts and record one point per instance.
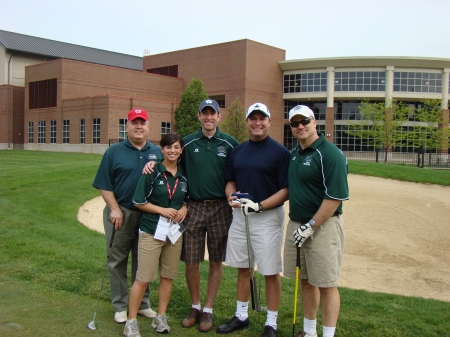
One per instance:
(266, 235)
(153, 252)
(320, 255)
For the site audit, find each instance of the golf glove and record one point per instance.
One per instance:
(302, 233)
(249, 207)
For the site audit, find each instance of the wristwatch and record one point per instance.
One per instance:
(260, 208)
(313, 225)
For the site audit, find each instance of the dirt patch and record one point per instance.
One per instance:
(397, 236)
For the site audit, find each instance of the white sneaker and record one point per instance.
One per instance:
(160, 324)
(131, 328)
(120, 317)
(147, 313)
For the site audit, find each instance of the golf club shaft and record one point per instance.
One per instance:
(297, 270)
(253, 287)
(103, 279)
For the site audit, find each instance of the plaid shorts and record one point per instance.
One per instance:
(206, 221)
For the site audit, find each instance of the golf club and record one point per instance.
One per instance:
(253, 287)
(297, 270)
(91, 324)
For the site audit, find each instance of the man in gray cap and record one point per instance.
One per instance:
(205, 158)
(317, 186)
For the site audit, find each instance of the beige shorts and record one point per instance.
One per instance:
(320, 255)
(266, 236)
(153, 252)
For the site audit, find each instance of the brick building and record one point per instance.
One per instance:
(56, 96)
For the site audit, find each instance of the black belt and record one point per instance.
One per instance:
(209, 202)
(301, 222)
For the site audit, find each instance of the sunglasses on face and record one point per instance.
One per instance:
(303, 122)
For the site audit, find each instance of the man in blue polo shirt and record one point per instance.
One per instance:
(117, 177)
(258, 167)
(317, 187)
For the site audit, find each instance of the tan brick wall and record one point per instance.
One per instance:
(245, 69)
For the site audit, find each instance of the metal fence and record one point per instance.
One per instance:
(420, 158)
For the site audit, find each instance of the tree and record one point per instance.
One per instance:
(380, 124)
(434, 134)
(234, 124)
(429, 136)
(186, 114)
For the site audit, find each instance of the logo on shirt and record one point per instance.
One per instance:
(295, 157)
(221, 151)
(161, 182)
(183, 186)
(152, 156)
(307, 161)
(196, 150)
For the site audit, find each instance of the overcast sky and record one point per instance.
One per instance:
(305, 29)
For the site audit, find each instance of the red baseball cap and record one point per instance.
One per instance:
(137, 113)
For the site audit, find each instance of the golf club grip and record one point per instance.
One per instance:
(112, 238)
(252, 280)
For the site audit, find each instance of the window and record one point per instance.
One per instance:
(41, 132)
(307, 82)
(350, 143)
(347, 110)
(220, 99)
(66, 131)
(167, 71)
(319, 108)
(96, 131)
(53, 132)
(82, 131)
(42, 94)
(165, 128)
(122, 129)
(290, 141)
(30, 132)
(409, 81)
(360, 81)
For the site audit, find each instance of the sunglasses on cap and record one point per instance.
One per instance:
(303, 122)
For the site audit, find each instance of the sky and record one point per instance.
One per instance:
(304, 29)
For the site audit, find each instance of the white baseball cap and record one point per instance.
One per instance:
(258, 107)
(301, 110)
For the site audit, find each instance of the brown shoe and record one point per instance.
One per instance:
(206, 322)
(192, 318)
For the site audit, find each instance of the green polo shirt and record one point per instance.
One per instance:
(152, 188)
(316, 173)
(204, 160)
(121, 167)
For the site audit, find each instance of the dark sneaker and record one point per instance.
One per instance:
(269, 332)
(232, 325)
(192, 318)
(206, 322)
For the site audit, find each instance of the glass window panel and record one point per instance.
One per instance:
(374, 74)
(366, 87)
(345, 88)
(345, 81)
(381, 87)
(404, 74)
(396, 74)
(337, 87)
(359, 74)
(359, 87)
(403, 88)
(338, 75)
(351, 88)
(344, 74)
(352, 74)
(382, 74)
(359, 80)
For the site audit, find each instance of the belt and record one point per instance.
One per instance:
(301, 222)
(209, 202)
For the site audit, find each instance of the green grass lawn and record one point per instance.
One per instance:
(51, 265)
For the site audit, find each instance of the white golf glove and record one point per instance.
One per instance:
(249, 207)
(302, 233)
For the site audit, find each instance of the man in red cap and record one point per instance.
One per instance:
(117, 177)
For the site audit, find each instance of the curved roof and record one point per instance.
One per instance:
(366, 61)
(26, 44)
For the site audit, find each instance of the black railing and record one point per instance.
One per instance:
(420, 158)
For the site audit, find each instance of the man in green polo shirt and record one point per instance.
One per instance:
(317, 186)
(209, 216)
(117, 177)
